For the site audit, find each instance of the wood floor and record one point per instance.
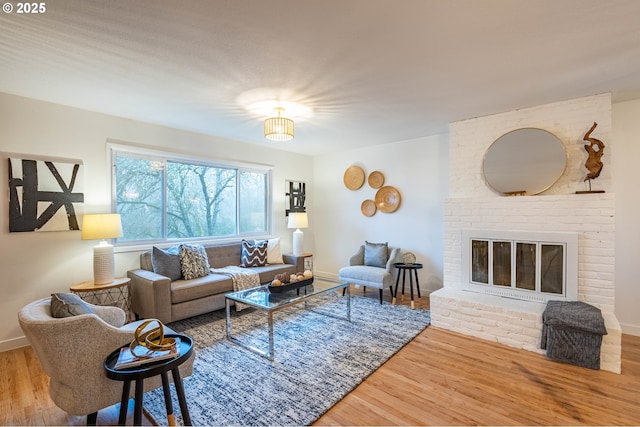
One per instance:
(440, 378)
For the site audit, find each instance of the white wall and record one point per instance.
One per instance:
(626, 156)
(35, 264)
(418, 169)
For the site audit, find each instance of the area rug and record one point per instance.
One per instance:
(318, 360)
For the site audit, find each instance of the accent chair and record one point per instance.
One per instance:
(372, 265)
(72, 350)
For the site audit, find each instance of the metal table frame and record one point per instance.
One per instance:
(295, 300)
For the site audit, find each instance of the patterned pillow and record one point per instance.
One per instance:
(167, 263)
(254, 254)
(376, 254)
(67, 305)
(194, 261)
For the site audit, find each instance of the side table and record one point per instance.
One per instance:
(308, 260)
(115, 293)
(139, 373)
(413, 270)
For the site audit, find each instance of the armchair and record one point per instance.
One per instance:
(72, 350)
(375, 276)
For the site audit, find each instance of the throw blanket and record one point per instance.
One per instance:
(242, 279)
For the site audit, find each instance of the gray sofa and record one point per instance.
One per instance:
(156, 296)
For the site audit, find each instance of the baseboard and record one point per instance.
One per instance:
(14, 343)
(630, 329)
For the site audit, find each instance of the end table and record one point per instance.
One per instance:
(115, 293)
(413, 270)
(139, 373)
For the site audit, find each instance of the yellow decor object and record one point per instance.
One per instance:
(376, 179)
(152, 339)
(279, 128)
(387, 199)
(368, 208)
(354, 177)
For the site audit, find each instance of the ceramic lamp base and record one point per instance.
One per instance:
(298, 242)
(103, 264)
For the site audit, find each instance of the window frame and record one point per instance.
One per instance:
(115, 149)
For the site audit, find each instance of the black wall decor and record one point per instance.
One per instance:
(296, 195)
(38, 189)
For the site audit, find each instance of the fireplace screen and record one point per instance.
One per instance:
(520, 268)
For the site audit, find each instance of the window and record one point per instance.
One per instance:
(163, 198)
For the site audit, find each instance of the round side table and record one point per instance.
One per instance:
(115, 294)
(139, 373)
(413, 271)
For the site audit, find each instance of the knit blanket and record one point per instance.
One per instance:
(242, 279)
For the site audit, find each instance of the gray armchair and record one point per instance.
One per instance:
(72, 350)
(358, 273)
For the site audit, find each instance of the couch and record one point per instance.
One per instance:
(157, 296)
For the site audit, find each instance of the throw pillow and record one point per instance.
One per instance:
(194, 261)
(167, 262)
(254, 254)
(376, 254)
(274, 254)
(67, 305)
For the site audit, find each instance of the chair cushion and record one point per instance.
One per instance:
(254, 254)
(376, 254)
(366, 275)
(167, 262)
(67, 305)
(194, 261)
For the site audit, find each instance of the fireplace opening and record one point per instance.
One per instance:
(524, 265)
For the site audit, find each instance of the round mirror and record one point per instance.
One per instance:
(524, 162)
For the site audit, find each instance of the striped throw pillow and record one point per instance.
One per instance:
(254, 254)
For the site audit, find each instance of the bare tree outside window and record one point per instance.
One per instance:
(169, 199)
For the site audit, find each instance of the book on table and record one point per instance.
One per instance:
(126, 359)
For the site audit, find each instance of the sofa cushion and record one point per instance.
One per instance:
(254, 254)
(376, 254)
(194, 261)
(67, 305)
(274, 254)
(167, 262)
(189, 290)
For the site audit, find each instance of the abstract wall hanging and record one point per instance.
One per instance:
(45, 195)
(296, 195)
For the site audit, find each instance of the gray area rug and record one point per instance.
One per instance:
(318, 360)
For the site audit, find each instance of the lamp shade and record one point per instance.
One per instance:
(279, 128)
(298, 220)
(101, 226)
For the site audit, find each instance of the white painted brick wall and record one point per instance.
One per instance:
(474, 205)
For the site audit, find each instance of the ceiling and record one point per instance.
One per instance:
(369, 71)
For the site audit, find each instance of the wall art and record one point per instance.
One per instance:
(296, 194)
(45, 195)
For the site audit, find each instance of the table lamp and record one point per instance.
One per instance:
(298, 220)
(102, 227)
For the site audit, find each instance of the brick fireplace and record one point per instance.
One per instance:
(472, 205)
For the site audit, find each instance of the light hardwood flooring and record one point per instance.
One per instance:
(440, 378)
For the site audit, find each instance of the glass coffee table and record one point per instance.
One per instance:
(262, 299)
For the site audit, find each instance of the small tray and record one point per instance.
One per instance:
(289, 286)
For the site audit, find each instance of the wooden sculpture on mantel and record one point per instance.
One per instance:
(595, 150)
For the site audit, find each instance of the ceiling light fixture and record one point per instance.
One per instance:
(278, 128)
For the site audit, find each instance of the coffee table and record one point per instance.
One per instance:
(263, 300)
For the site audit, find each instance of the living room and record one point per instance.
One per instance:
(37, 264)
